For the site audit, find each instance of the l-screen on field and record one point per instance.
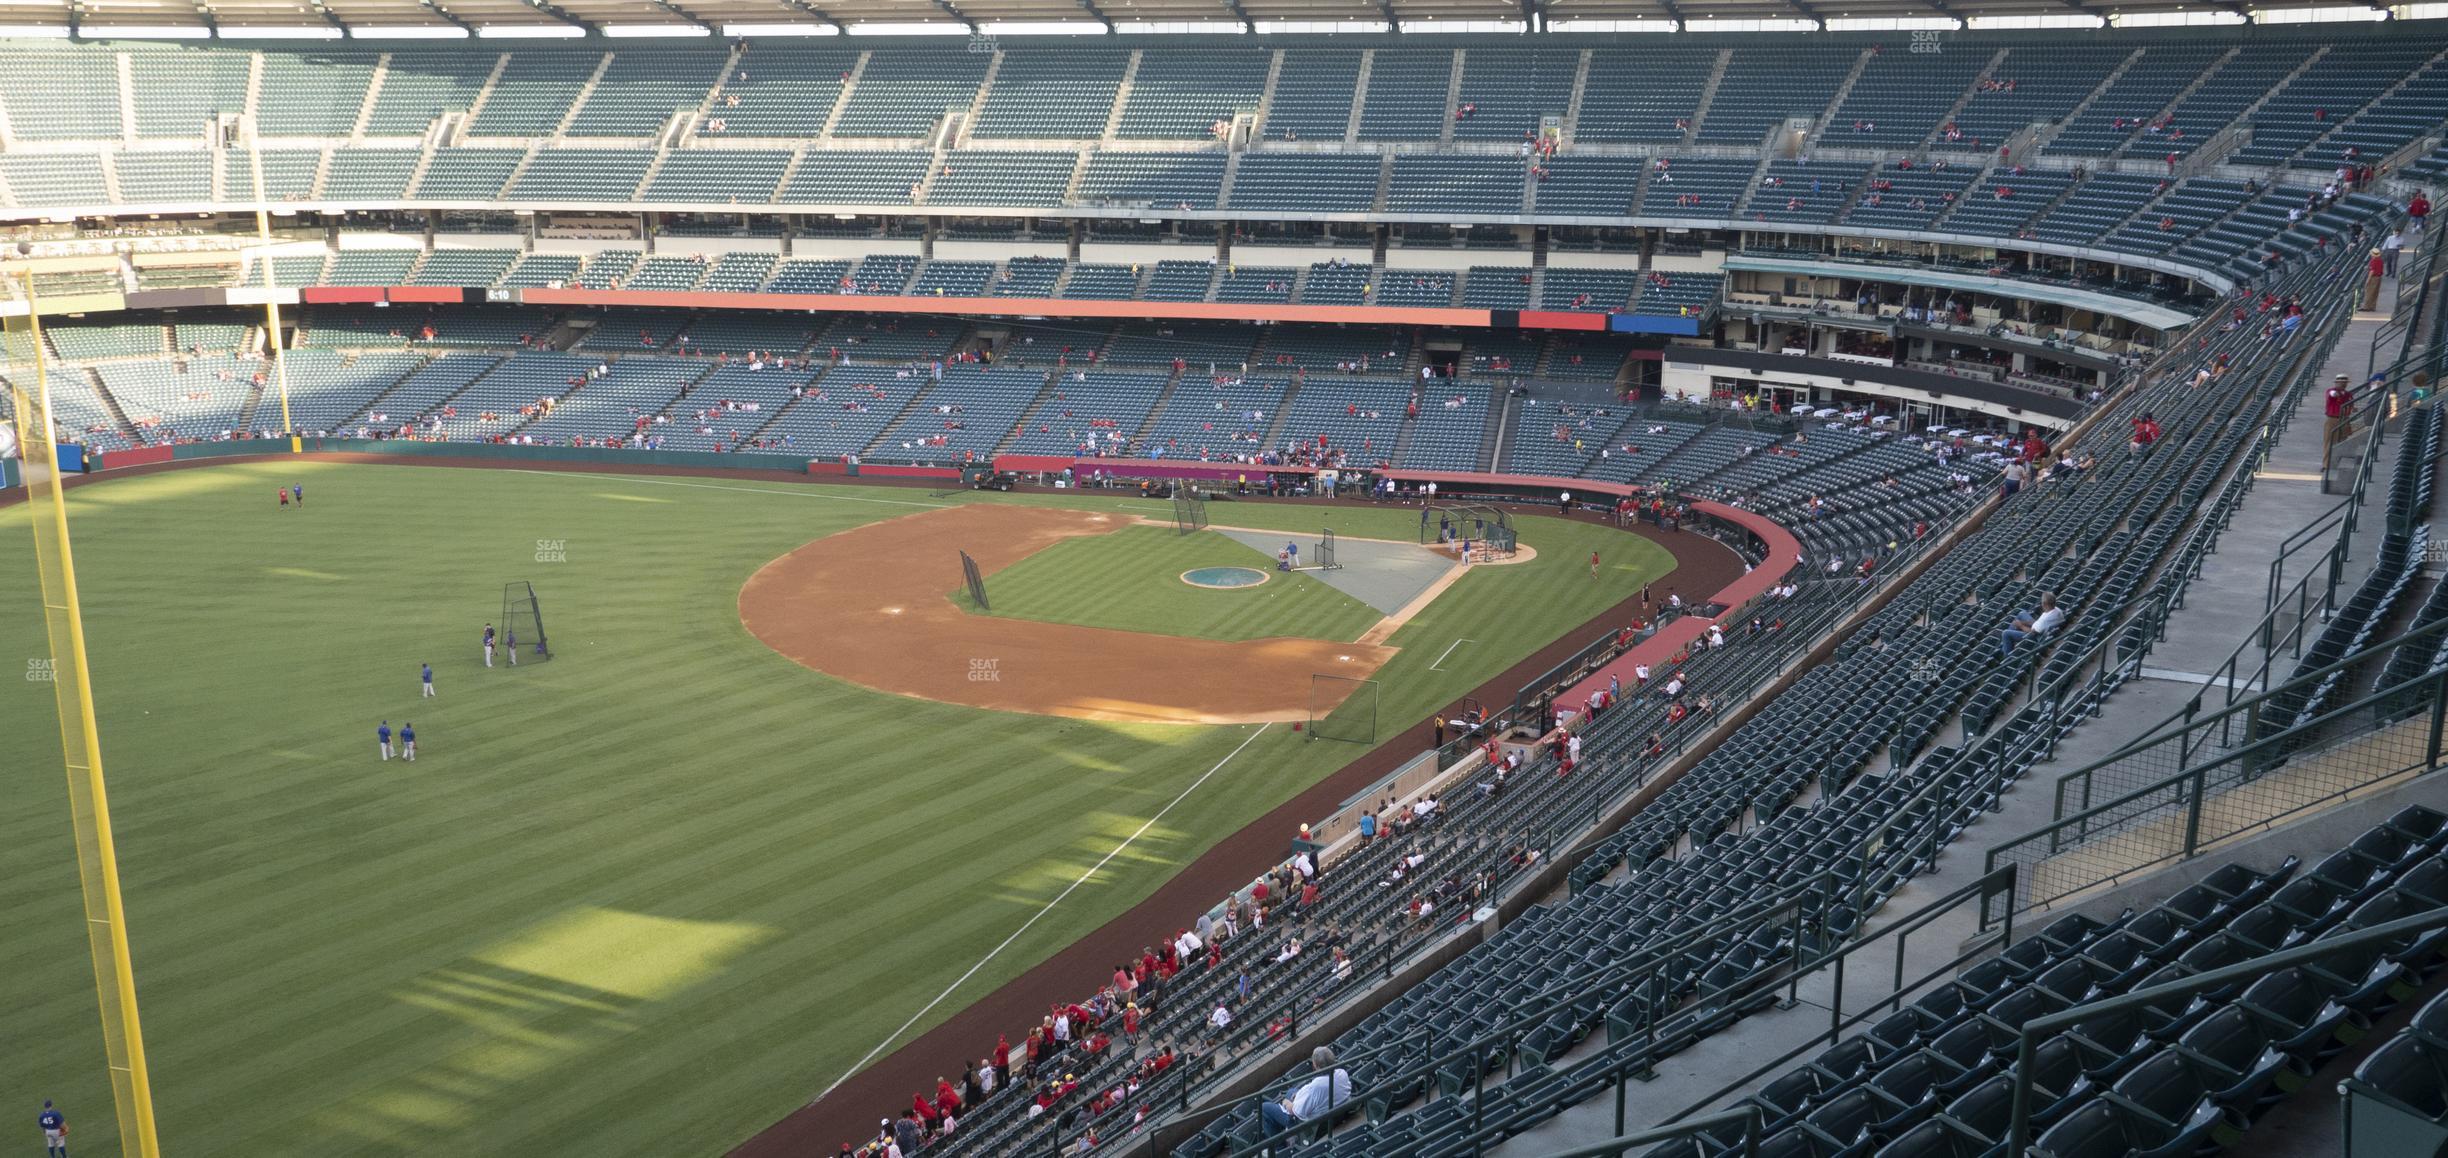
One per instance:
(657, 892)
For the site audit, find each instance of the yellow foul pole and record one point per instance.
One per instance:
(272, 316)
(81, 742)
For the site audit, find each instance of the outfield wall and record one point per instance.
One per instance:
(413, 448)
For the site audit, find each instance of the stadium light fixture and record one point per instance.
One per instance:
(639, 31)
(915, 28)
(278, 32)
(1040, 28)
(151, 32)
(736, 30)
(408, 32)
(530, 32)
(34, 31)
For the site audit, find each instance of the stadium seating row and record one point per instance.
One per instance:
(2305, 107)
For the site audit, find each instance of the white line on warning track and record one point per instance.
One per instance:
(1449, 650)
(1049, 907)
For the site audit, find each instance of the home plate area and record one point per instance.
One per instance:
(1382, 573)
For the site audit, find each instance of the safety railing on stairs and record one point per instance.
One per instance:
(2219, 775)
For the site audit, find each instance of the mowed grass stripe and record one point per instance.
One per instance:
(1131, 579)
(286, 888)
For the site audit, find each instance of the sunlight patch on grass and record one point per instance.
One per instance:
(629, 954)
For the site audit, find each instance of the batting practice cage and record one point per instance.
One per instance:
(1342, 708)
(976, 581)
(1325, 556)
(1489, 527)
(523, 622)
(1189, 510)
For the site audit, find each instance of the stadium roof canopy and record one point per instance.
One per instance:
(517, 19)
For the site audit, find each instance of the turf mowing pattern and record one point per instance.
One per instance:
(1131, 579)
(645, 898)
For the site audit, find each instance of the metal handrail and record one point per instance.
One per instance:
(2248, 712)
(1789, 906)
(1991, 883)
(1747, 1117)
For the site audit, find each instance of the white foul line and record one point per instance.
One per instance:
(1448, 651)
(805, 494)
(1024, 926)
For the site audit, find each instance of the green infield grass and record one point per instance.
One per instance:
(645, 898)
(1131, 579)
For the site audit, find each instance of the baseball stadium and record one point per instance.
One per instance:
(1413, 578)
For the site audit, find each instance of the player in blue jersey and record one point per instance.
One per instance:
(55, 1130)
(488, 645)
(425, 674)
(383, 734)
(408, 740)
(510, 644)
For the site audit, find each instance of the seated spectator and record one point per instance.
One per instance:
(1316, 1100)
(2028, 624)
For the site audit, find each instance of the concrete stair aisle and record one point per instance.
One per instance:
(375, 405)
(705, 108)
(484, 93)
(1504, 412)
(900, 416)
(520, 170)
(254, 86)
(1266, 96)
(1385, 180)
(787, 407)
(977, 106)
(374, 87)
(1835, 102)
(1402, 440)
(1751, 186)
(1232, 169)
(110, 405)
(255, 398)
(2367, 106)
(1997, 60)
(1708, 96)
(416, 175)
(935, 164)
(790, 169)
(1360, 86)
(2049, 132)
(1122, 96)
(1571, 122)
(1079, 171)
(841, 100)
(2182, 95)
(1980, 181)
(653, 167)
(1453, 97)
(557, 400)
(585, 93)
(127, 96)
(1283, 409)
(1029, 413)
(1164, 398)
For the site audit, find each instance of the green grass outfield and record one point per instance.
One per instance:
(1131, 579)
(646, 898)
